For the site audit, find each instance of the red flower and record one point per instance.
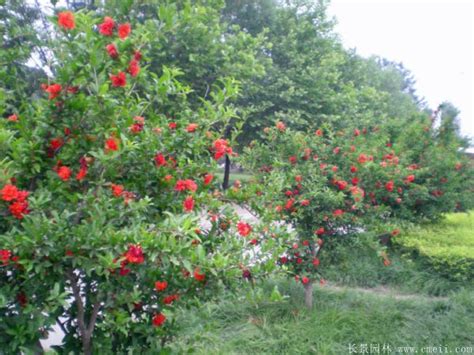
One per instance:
(64, 173)
(66, 20)
(111, 144)
(137, 55)
(106, 28)
(119, 80)
(395, 232)
(409, 179)
(124, 30)
(112, 50)
(319, 231)
(355, 181)
(5, 256)
(208, 179)
(315, 262)
(160, 159)
(281, 126)
(283, 260)
(18, 209)
(12, 118)
(356, 132)
(304, 203)
(53, 90)
(292, 159)
(183, 185)
(336, 150)
(244, 228)
(389, 186)
(134, 254)
(161, 285)
(9, 192)
(172, 125)
(198, 275)
(362, 159)
(304, 280)
(298, 178)
(341, 184)
(81, 174)
(158, 320)
(170, 299)
(337, 213)
(133, 68)
(458, 166)
(56, 143)
(192, 127)
(289, 204)
(188, 204)
(353, 169)
(220, 148)
(117, 190)
(319, 133)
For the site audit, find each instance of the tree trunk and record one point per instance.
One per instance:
(225, 184)
(86, 344)
(308, 295)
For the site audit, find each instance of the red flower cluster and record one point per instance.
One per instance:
(12, 118)
(220, 148)
(112, 50)
(183, 185)
(158, 319)
(191, 127)
(188, 204)
(106, 28)
(208, 179)
(17, 198)
(198, 275)
(111, 144)
(133, 68)
(138, 125)
(5, 256)
(66, 20)
(134, 254)
(244, 228)
(53, 90)
(161, 285)
(119, 80)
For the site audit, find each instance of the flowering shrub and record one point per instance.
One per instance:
(328, 184)
(104, 185)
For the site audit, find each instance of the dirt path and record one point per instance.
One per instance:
(383, 291)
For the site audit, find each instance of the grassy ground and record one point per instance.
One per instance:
(448, 246)
(364, 303)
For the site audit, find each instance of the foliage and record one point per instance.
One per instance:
(102, 195)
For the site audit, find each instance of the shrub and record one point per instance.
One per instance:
(102, 198)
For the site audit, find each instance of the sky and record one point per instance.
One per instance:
(432, 38)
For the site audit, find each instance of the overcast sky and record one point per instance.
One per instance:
(432, 38)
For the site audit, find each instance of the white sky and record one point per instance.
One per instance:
(433, 39)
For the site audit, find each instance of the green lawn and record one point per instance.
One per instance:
(448, 246)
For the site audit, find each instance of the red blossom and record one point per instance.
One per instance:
(158, 319)
(106, 28)
(112, 50)
(12, 118)
(134, 254)
(133, 68)
(389, 186)
(220, 148)
(183, 185)
(160, 159)
(172, 125)
(192, 127)
(305, 280)
(111, 144)
(319, 133)
(362, 159)
(198, 275)
(117, 190)
(280, 126)
(305, 203)
(64, 173)
(337, 213)
(341, 184)
(320, 231)
(244, 228)
(9, 192)
(170, 299)
(137, 55)
(124, 30)
(81, 174)
(315, 262)
(188, 204)
(66, 20)
(161, 285)
(208, 179)
(53, 90)
(18, 209)
(5, 256)
(56, 143)
(119, 80)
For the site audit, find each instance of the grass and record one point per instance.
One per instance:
(364, 302)
(233, 176)
(339, 318)
(447, 246)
